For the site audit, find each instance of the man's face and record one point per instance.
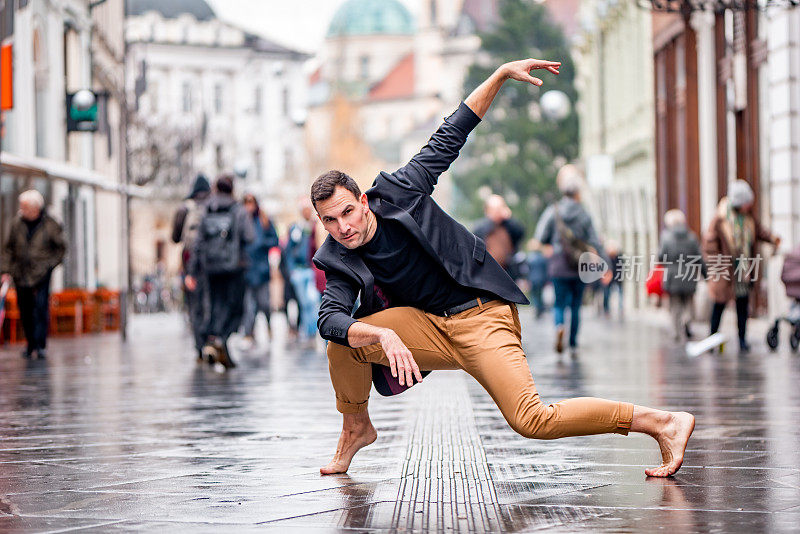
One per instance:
(345, 217)
(29, 211)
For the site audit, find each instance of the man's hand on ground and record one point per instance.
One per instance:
(520, 70)
(401, 361)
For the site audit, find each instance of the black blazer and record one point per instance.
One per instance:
(404, 196)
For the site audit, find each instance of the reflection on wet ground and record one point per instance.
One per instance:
(110, 438)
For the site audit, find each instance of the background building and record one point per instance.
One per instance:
(209, 98)
(385, 81)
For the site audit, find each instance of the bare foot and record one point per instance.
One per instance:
(672, 440)
(351, 441)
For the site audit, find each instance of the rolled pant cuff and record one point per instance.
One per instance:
(351, 407)
(625, 418)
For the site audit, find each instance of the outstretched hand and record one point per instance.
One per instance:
(481, 98)
(520, 70)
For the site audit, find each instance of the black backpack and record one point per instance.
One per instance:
(220, 241)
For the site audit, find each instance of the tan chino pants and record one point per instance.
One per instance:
(486, 343)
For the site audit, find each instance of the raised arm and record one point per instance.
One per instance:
(481, 98)
(422, 172)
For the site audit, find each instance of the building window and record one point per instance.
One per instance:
(363, 67)
(153, 96)
(257, 165)
(218, 157)
(257, 100)
(218, 98)
(287, 162)
(187, 97)
(285, 102)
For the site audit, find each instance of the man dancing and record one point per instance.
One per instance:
(431, 298)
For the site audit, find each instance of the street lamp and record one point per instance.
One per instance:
(240, 168)
(555, 105)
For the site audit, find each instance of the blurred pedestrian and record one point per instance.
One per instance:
(683, 265)
(219, 253)
(299, 251)
(257, 276)
(288, 293)
(730, 246)
(567, 227)
(616, 264)
(184, 231)
(537, 277)
(34, 247)
(502, 234)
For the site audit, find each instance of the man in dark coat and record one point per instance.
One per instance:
(431, 298)
(35, 246)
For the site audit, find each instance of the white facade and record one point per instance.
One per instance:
(234, 102)
(240, 100)
(781, 109)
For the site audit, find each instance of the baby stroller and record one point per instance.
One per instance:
(790, 276)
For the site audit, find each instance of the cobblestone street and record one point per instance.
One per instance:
(106, 437)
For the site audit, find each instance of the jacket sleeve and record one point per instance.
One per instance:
(194, 266)
(337, 303)
(422, 172)
(58, 244)
(177, 224)
(699, 253)
(515, 231)
(6, 258)
(271, 236)
(762, 233)
(594, 240)
(544, 230)
(711, 245)
(248, 230)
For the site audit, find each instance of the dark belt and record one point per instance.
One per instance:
(463, 307)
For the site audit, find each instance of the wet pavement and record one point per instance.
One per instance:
(105, 437)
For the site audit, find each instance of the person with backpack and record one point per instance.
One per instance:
(681, 255)
(184, 230)
(567, 228)
(219, 254)
(257, 277)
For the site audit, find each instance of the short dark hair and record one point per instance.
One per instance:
(325, 185)
(224, 183)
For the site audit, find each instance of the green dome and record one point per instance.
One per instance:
(371, 17)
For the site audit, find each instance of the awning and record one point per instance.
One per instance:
(58, 170)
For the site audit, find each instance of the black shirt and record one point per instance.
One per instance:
(398, 263)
